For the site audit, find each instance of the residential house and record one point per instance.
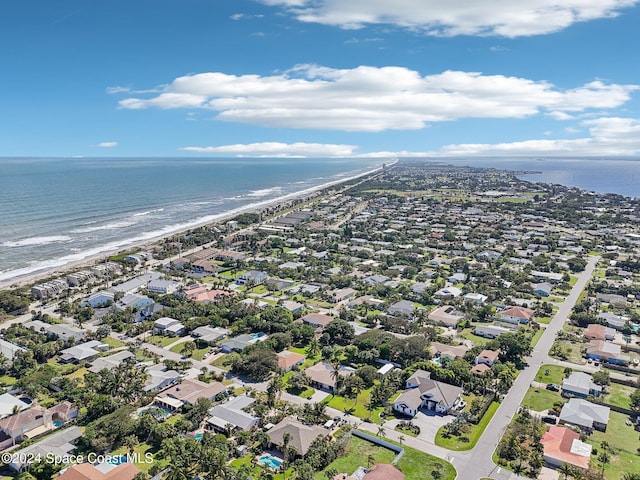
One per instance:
(403, 307)
(66, 332)
(595, 331)
(443, 350)
(580, 384)
(446, 315)
(383, 471)
(562, 445)
(163, 287)
(188, 392)
(585, 415)
(84, 351)
(169, 326)
(26, 424)
(98, 299)
(476, 298)
(491, 331)
(9, 404)
(516, 314)
(341, 294)
(323, 377)
(614, 321)
(231, 416)
(448, 292)
(457, 278)
(134, 301)
(9, 349)
(606, 352)
(209, 335)
(301, 436)
(542, 289)
(423, 392)
(111, 362)
(239, 343)
(59, 445)
(317, 320)
(288, 360)
(487, 357)
(160, 377)
(253, 277)
(100, 471)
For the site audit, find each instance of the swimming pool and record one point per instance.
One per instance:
(198, 436)
(269, 461)
(58, 423)
(117, 460)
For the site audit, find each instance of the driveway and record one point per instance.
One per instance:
(428, 422)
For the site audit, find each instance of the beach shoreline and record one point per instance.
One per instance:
(29, 278)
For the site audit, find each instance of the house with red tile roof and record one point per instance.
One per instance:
(516, 314)
(562, 445)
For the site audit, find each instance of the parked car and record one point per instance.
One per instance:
(554, 387)
(549, 419)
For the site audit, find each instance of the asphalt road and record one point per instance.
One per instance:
(477, 462)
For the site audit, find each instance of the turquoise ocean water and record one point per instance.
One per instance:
(56, 211)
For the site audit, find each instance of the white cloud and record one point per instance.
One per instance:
(608, 136)
(107, 144)
(508, 18)
(374, 98)
(278, 149)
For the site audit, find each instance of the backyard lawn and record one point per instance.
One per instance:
(618, 395)
(623, 441)
(160, 341)
(141, 450)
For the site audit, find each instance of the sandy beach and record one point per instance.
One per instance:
(33, 277)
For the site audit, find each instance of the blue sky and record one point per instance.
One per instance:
(319, 77)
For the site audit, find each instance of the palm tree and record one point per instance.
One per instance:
(335, 373)
(401, 439)
(381, 431)
(313, 348)
(370, 459)
(603, 458)
(286, 438)
(631, 476)
(565, 469)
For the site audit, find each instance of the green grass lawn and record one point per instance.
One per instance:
(414, 464)
(573, 280)
(8, 380)
(356, 456)
(256, 471)
(539, 399)
(113, 342)
(536, 337)
(469, 335)
(198, 353)
(556, 374)
(544, 320)
(79, 374)
(618, 395)
(220, 362)
(160, 341)
(471, 436)
(358, 409)
(141, 450)
(623, 440)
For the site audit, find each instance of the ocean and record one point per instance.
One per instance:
(61, 210)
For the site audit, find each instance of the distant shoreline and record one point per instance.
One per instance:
(45, 272)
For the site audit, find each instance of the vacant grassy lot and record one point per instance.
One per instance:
(414, 464)
(540, 399)
(550, 374)
(623, 441)
(356, 408)
(618, 395)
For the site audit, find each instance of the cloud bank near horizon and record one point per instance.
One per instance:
(448, 18)
(375, 99)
